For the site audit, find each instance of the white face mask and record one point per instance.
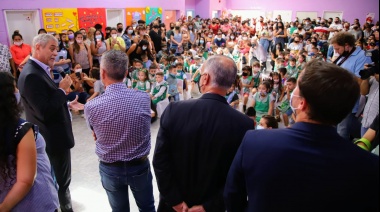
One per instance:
(130, 31)
(79, 70)
(144, 48)
(245, 38)
(210, 36)
(18, 43)
(114, 36)
(232, 37)
(290, 103)
(259, 127)
(79, 41)
(98, 37)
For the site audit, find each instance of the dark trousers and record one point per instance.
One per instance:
(61, 164)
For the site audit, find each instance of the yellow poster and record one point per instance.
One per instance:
(60, 20)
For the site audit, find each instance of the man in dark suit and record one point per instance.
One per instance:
(197, 141)
(46, 106)
(307, 167)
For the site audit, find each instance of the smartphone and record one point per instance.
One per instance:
(78, 75)
(60, 57)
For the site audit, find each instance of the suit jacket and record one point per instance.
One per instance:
(307, 167)
(195, 146)
(46, 106)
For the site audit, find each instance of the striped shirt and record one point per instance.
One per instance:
(120, 119)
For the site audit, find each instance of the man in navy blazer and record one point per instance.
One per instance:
(307, 167)
(46, 106)
(197, 142)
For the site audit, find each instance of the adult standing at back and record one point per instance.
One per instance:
(307, 167)
(352, 59)
(81, 53)
(46, 106)
(19, 49)
(192, 157)
(155, 35)
(120, 119)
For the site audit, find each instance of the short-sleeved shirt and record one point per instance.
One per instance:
(5, 56)
(98, 87)
(116, 47)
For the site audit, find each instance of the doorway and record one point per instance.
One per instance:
(115, 16)
(27, 22)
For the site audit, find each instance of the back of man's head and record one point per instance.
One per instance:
(330, 91)
(222, 69)
(115, 64)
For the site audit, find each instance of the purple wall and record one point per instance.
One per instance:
(202, 8)
(38, 4)
(189, 5)
(350, 9)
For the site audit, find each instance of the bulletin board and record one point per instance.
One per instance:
(152, 13)
(134, 14)
(88, 17)
(60, 20)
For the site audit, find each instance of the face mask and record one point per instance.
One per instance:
(245, 74)
(256, 69)
(98, 37)
(336, 22)
(259, 127)
(263, 93)
(232, 37)
(71, 36)
(18, 97)
(18, 43)
(144, 48)
(245, 38)
(79, 41)
(130, 31)
(190, 27)
(201, 41)
(120, 30)
(265, 27)
(79, 70)
(219, 39)
(276, 81)
(177, 28)
(114, 36)
(291, 105)
(307, 23)
(210, 36)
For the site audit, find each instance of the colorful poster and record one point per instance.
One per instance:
(88, 17)
(60, 20)
(134, 14)
(152, 13)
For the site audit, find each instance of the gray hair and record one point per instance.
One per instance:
(115, 64)
(222, 69)
(42, 39)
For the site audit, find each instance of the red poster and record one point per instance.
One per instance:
(88, 17)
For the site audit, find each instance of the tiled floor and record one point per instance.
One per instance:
(87, 192)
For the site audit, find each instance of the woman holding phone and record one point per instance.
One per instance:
(98, 47)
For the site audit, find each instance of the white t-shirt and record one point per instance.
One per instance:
(99, 87)
(335, 26)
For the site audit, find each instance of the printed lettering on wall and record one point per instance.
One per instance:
(152, 13)
(88, 17)
(60, 20)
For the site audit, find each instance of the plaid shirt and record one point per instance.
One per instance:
(120, 119)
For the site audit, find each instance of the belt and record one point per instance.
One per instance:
(134, 162)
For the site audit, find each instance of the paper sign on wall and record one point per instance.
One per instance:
(134, 14)
(88, 17)
(60, 20)
(152, 13)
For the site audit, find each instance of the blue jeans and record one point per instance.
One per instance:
(174, 97)
(265, 44)
(116, 179)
